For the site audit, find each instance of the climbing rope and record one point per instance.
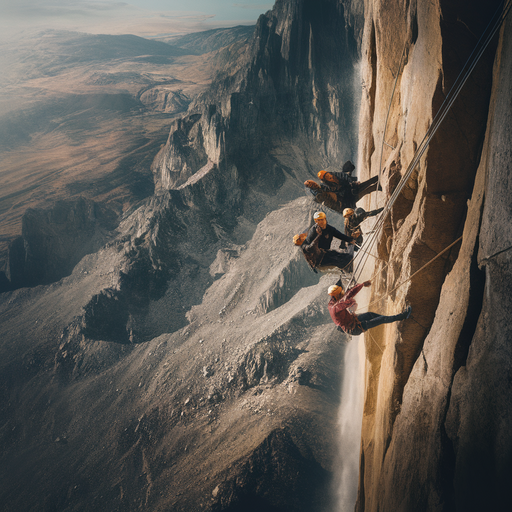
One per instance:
(468, 67)
(415, 273)
(389, 109)
(495, 23)
(361, 248)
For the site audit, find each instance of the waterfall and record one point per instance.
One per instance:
(349, 423)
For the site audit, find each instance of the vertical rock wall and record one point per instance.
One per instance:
(437, 390)
(294, 84)
(480, 409)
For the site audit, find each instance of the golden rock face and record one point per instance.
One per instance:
(418, 414)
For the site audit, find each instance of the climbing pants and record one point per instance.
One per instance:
(370, 320)
(365, 187)
(336, 259)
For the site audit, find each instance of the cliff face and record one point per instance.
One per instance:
(294, 86)
(53, 241)
(437, 392)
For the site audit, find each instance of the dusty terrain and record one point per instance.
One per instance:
(188, 361)
(84, 115)
(184, 415)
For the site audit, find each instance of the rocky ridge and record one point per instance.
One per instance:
(84, 116)
(260, 105)
(211, 40)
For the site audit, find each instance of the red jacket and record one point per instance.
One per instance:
(340, 314)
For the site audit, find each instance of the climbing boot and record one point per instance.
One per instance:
(407, 313)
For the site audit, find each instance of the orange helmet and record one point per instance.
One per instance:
(347, 212)
(334, 290)
(311, 184)
(329, 177)
(299, 239)
(321, 174)
(319, 216)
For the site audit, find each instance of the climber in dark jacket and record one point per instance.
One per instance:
(316, 245)
(347, 190)
(344, 176)
(353, 220)
(320, 258)
(328, 232)
(342, 305)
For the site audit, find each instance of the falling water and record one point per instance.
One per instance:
(349, 422)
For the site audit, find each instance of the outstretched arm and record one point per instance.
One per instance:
(348, 299)
(373, 212)
(355, 290)
(338, 234)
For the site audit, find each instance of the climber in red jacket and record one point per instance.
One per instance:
(342, 305)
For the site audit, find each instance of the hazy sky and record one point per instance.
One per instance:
(140, 17)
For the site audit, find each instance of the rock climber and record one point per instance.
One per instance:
(341, 304)
(324, 196)
(348, 192)
(316, 245)
(311, 252)
(320, 258)
(353, 220)
(345, 176)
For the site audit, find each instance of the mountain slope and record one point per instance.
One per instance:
(190, 363)
(211, 40)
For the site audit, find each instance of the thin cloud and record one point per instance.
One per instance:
(185, 16)
(25, 17)
(107, 6)
(12, 9)
(259, 7)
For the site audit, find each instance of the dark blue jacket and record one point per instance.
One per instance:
(326, 237)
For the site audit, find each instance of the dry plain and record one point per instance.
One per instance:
(84, 115)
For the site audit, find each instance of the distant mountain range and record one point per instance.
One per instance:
(212, 40)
